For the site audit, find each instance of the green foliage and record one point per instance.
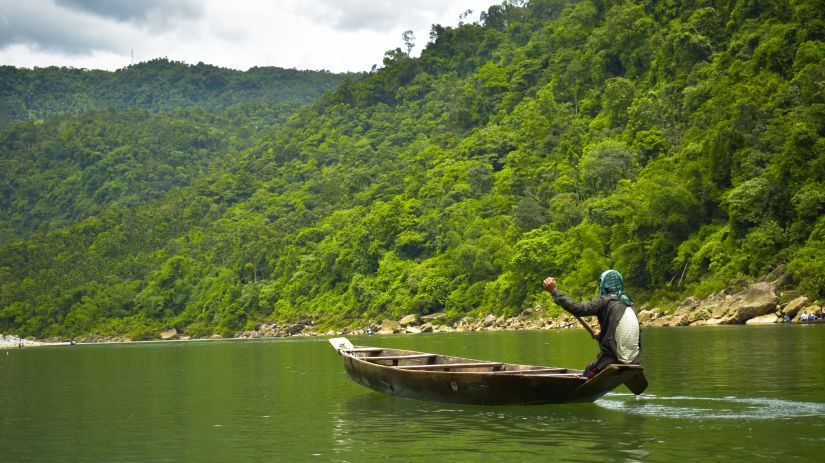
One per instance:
(809, 262)
(748, 202)
(678, 142)
(603, 165)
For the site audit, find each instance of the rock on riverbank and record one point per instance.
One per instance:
(11, 341)
(757, 304)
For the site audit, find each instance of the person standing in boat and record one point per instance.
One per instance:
(618, 333)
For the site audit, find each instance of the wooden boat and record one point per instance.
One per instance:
(443, 378)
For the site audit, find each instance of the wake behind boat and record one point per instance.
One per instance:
(443, 378)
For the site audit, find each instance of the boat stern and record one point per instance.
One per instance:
(608, 379)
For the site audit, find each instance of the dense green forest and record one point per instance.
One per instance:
(680, 142)
(128, 137)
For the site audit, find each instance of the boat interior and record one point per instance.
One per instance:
(409, 360)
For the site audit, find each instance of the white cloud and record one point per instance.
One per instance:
(41, 25)
(381, 16)
(338, 35)
(153, 12)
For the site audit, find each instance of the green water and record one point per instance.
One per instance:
(716, 394)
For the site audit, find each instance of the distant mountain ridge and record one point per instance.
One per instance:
(155, 85)
(91, 139)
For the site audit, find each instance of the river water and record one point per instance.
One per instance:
(716, 394)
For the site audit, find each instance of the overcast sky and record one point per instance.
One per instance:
(337, 35)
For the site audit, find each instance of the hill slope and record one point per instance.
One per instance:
(681, 143)
(98, 138)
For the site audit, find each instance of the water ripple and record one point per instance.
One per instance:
(711, 408)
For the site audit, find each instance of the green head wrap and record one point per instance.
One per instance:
(611, 283)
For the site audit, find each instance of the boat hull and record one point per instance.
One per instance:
(506, 384)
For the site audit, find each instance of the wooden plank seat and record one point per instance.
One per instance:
(365, 349)
(532, 372)
(442, 366)
(400, 357)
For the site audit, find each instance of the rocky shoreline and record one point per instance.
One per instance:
(759, 304)
(756, 304)
(9, 341)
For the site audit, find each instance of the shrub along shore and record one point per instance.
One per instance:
(761, 303)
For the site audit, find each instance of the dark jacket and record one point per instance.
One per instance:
(609, 311)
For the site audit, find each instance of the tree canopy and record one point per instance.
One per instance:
(678, 142)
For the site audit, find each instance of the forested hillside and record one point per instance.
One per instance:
(98, 138)
(678, 142)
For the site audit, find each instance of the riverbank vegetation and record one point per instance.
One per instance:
(680, 143)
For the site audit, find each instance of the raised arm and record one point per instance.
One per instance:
(579, 309)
